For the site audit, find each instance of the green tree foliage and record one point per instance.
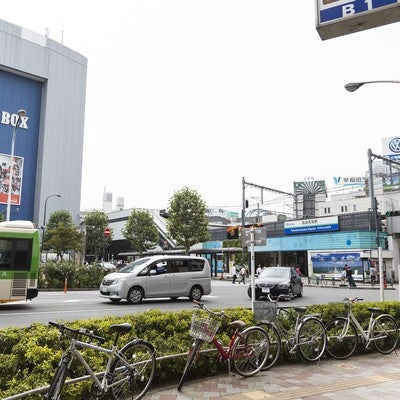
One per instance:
(61, 235)
(95, 223)
(187, 222)
(141, 231)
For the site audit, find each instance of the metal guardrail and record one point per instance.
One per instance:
(44, 389)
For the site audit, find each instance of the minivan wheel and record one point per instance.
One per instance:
(135, 295)
(195, 293)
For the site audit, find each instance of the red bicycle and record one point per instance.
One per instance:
(248, 348)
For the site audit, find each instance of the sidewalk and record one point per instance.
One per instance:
(369, 376)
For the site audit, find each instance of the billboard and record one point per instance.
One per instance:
(16, 187)
(19, 92)
(341, 17)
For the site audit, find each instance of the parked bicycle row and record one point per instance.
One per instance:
(130, 370)
(252, 351)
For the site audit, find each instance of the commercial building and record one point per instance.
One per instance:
(48, 81)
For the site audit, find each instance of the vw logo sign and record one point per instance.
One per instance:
(394, 145)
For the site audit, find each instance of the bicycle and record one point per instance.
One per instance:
(129, 371)
(247, 349)
(308, 335)
(343, 332)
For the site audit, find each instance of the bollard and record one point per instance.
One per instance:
(65, 284)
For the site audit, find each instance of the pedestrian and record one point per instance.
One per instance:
(299, 271)
(242, 274)
(349, 276)
(372, 274)
(234, 274)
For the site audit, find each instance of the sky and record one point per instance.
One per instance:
(204, 93)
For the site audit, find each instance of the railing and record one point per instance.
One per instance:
(44, 389)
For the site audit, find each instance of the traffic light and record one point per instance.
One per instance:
(392, 213)
(164, 213)
(232, 232)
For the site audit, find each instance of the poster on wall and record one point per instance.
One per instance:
(331, 264)
(16, 186)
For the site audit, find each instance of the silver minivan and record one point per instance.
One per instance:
(159, 276)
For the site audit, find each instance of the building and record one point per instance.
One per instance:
(48, 81)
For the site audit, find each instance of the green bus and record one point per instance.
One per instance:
(19, 261)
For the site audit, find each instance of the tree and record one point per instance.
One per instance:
(61, 235)
(95, 223)
(187, 223)
(141, 231)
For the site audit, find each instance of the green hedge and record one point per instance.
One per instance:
(53, 273)
(29, 356)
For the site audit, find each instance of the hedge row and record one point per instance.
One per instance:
(29, 356)
(53, 274)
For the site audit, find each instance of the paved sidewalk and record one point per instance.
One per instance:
(368, 377)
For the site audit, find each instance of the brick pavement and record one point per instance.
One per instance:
(369, 376)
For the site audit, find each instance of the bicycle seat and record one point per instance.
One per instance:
(300, 309)
(238, 324)
(125, 327)
(374, 309)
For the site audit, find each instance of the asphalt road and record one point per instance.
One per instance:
(75, 305)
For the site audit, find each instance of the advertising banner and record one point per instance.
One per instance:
(16, 187)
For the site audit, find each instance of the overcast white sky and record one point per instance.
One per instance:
(202, 93)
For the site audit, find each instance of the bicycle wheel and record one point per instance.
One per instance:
(275, 345)
(385, 333)
(58, 380)
(250, 351)
(192, 356)
(342, 338)
(311, 339)
(132, 376)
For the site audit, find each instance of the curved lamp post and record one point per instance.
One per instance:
(352, 87)
(21, 113)
(44, 215)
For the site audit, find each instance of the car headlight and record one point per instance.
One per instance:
(284, 285)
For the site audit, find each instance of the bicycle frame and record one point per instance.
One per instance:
(365, 334)
(113, 354)
(222, 353)
(288, 336)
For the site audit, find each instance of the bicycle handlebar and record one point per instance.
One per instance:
(77, 332)
(202, 306)
(352, 300)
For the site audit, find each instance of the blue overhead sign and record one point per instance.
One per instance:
(312, 225)
(341, 17)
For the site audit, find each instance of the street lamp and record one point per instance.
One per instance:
(352, 87)
(21, 113)
(44, 215)
(45, 206)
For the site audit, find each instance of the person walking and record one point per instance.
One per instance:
(234, 274)
(242, 274)
(349, 276)
(372, 274)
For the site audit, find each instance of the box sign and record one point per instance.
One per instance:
(341, 17)
(312, 225)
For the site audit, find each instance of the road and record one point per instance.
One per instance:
(75, 305)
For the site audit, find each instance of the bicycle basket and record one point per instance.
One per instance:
(265, 311)
(203, 327)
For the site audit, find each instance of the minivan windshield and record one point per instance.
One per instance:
(133, 265)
